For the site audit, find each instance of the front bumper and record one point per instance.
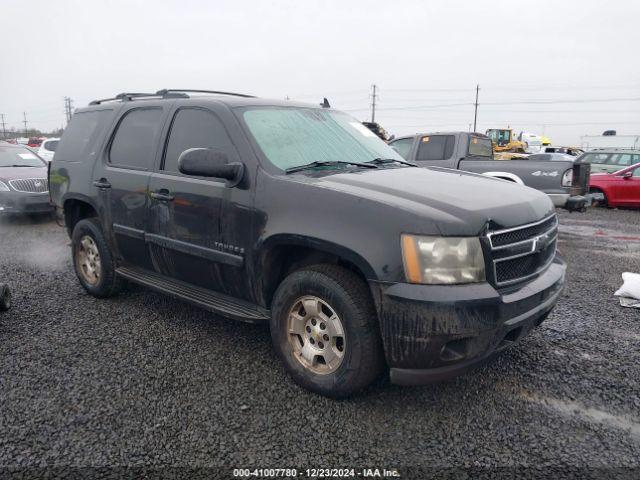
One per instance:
(434, 332)
(21, 202)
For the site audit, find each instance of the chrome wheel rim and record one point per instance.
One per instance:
(316, 334)
(88, 260)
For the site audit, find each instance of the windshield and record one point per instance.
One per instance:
(19, 157)
(480, 147)
(290, 137)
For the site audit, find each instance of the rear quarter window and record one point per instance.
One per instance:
(51, 145)
(435, 147)
(79, 138)
(134, 143)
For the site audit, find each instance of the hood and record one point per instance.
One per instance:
(13, 173)
(459, 203)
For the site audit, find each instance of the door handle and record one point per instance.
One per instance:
(102, 183)
(163, 195)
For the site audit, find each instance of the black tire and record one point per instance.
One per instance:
(599, 203)
(108, 283)
(5, 298)
(350, 298)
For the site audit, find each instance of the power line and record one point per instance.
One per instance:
(520, 122)
(578, 100)
(524, 102)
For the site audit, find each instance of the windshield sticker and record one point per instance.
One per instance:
(27, 156)
(362, 129)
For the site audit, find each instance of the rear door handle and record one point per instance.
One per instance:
(163, 195)
(102, 183)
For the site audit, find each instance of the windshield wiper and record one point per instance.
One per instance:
(16, 165)
(323, 163)
(382, 161)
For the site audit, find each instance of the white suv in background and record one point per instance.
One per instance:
(48, 148)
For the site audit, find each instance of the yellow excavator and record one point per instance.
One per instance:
(504, 140)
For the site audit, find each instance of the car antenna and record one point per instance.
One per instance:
(325, 103)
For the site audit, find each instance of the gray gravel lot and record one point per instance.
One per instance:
(145, 380)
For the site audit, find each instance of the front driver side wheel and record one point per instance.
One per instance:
(324, 327)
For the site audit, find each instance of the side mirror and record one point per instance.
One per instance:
(627, 175)
(207, 162)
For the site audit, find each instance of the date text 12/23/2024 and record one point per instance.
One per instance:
(316, 473)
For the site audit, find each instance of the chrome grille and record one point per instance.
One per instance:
(522, 252)
(30, 185)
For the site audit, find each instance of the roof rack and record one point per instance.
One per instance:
(124, 97)
(164, 93)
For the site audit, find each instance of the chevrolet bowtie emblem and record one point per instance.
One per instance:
(540, 243)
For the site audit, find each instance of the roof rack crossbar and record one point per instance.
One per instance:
(124, 97)
(166, 91)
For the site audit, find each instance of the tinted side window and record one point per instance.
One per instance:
(79, 138)
(403, 147)
(134, 143)
(621, 159)
(195, 128)
(435, 147)
(596, 157)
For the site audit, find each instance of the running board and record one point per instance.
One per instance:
(208, 299)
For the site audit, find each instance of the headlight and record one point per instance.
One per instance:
(567, 178)
(442, 260)
(3, 187)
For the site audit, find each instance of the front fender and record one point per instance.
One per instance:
(268, 244)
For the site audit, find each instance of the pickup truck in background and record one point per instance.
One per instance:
(566, 182)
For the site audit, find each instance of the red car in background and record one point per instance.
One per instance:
(618, 189)
(34, 142)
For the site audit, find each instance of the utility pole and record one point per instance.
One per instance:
(68, 108)
(4, 127)
(374, 96)
(24, 116)
(475, 114)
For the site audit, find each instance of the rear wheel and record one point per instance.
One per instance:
(325, 330)
(93, 261)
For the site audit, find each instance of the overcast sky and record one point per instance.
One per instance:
(425, 57)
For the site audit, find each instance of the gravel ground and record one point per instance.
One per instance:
(143, 380)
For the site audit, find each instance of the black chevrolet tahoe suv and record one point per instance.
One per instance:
(301, 217)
